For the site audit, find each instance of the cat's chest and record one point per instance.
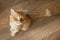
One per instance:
(14, 24)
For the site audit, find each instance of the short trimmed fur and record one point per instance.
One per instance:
(19, 21)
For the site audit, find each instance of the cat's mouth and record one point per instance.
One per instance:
(18, 23)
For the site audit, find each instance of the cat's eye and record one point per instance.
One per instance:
(21, 19)
(15, 19)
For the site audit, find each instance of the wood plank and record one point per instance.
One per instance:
(41, 28)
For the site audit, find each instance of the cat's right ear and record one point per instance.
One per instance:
(13, 12)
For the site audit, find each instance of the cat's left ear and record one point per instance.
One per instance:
(25, 10)
(13, 12)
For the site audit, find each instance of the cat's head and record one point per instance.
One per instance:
(18, 15)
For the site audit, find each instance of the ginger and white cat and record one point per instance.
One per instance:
(19, 21)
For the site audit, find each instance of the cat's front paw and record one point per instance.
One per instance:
(12, 34)
(14, 31)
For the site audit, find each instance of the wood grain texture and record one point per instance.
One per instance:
(42, 28)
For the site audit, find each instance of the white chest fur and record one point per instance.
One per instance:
(14, 26)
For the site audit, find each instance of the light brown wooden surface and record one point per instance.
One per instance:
(42, 28)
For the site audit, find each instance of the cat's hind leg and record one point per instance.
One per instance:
(26, 25)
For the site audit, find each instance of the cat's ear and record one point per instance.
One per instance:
(25, 10)
(13, 12)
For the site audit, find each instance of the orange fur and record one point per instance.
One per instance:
(19, 21)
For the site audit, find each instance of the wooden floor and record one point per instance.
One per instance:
(42, 28)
